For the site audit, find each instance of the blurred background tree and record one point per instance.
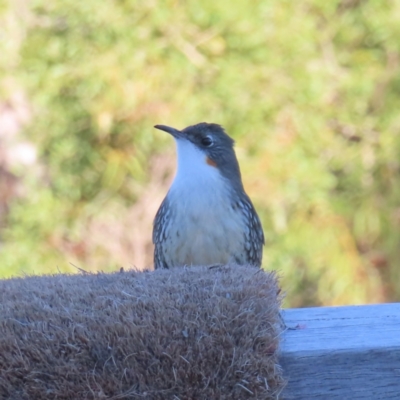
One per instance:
(310, 90)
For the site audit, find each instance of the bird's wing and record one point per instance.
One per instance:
(254, 236)
(159, 234)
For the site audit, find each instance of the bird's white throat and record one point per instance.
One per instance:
(193, 173)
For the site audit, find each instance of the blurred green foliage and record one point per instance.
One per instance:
(310, 91)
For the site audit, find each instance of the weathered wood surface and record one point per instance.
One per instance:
(345, 353)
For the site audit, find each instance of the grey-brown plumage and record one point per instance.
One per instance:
(206, 217)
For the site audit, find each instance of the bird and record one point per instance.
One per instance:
(206, 218)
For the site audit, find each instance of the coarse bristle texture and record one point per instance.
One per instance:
(184, 333)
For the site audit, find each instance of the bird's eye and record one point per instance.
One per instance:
(207, 141)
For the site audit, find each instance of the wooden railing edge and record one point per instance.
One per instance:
(350, 352)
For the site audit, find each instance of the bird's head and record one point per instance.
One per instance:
(205, 148)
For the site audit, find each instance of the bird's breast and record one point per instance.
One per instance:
(205, 228)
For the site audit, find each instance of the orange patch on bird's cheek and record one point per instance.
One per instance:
(211, 162)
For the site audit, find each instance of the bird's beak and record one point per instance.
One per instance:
(172, 131)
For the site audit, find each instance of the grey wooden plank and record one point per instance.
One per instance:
(342, 352)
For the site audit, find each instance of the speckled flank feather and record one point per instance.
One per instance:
(254, 236)
(160, 225)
